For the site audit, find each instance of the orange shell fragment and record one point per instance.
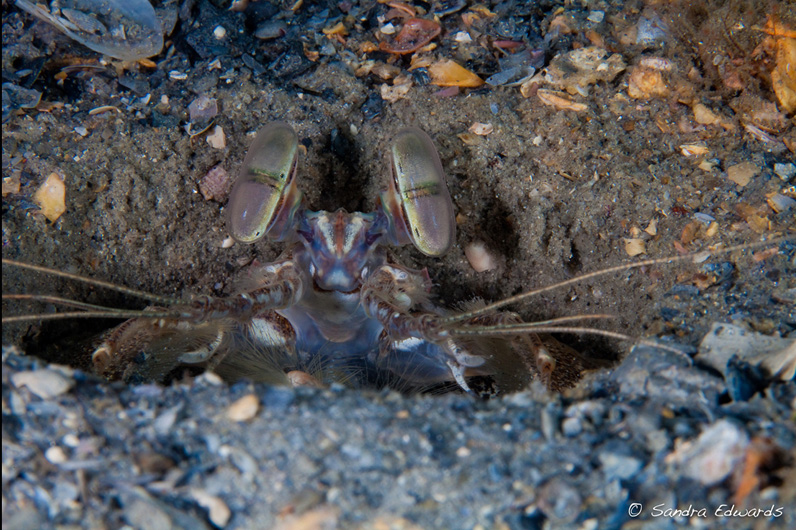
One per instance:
(415, 33)
(449, 73)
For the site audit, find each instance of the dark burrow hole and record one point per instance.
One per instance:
(71, 342)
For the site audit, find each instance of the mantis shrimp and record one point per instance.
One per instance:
(334, 307)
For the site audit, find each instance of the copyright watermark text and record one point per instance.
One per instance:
(723, 510)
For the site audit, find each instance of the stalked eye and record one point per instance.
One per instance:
(265, 198)
(417, 202)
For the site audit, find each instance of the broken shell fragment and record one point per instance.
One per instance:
(693, 149)
(635, 246)
(449, 73)
(481, 129)
(415, 33)
(124, 29)
(217, 139)
(742, 173)
(398, 90)
(559, 100)
(51, 197)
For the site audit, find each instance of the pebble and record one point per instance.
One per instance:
(596, 16)
(725, 341)
(462, 37)
(215, 186)
(44, 383)
(270, 30)
(244, 408)
(141, 511)
(619, 466)
(220, 32)
(55, 455)
(559, 501)
(649, 31)
(51, 197)
(202, 108)
(646, 83)
(571, 427)
(576, 70)
(217, 510)
(481, 260)
(713, 455)
(785, 171)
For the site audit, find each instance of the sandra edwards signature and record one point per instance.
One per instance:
(723, 510)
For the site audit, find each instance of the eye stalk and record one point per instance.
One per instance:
(265, 198)
(417, 203)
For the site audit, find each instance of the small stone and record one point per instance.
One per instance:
(704, 115)
(220, 32)
(55, 455)
(574, 71)
(44, 383)
(619, 466)
(713, 455)
(51, 197)
(479, 257)
(463, 37)
(217, 510)
(596, 16)
(202, 108)
(215, 185)
(742, 173)
(243, 409)
(82, 131)
(140, 510)
(646, 83)
(571, 427)
(785, 171)
(271, 29)
(217, 139)
(560, 501)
